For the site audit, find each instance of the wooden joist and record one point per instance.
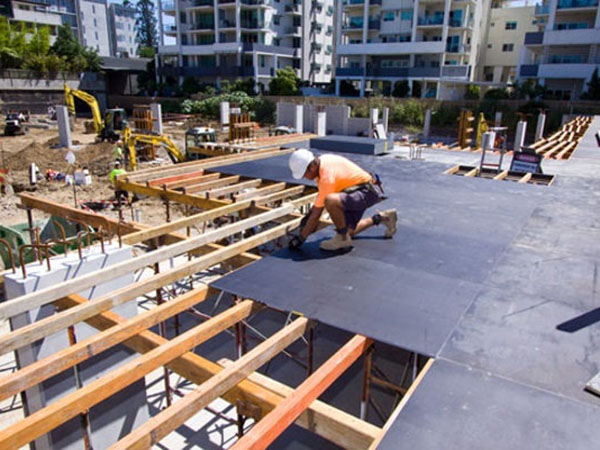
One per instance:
(260, 192)
(12, 384)
(341, 428)
(232, 189)
(37, 330)
(82, 399)
(151, 432)
(192, 180)
(200, 187)
(44, 296)
(276, 422)
(175, 178)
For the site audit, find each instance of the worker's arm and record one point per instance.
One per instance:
(307, 226)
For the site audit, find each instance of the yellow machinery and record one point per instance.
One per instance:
(114, 119)
(465, 128)
(131, 140)
(482, 127)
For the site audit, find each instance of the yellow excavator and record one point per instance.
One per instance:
(131, 140)
(106, 127)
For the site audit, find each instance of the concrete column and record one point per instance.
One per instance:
(373, 119)
(156, 109)
(386, 118)
(427, 123)
(363, 82)
(299, 119)
(225, 113)
(337, 87)
(64, 130)
(498, 119)
(539, 129)
(520, 135)
(321, 124)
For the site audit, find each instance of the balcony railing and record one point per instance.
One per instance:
(542, 10)
(199, 71)
(563, 4)
(316, 27)
(534, 38)
(253, 2)
(566, 59)
(455, 71)
(315, 67)
(375, 2)
(329, 50)
(458, 48)
(529, 70)
(293, 30)
(435, 20)
(226, 23)
(253, 24)
(350, 71)
(169, 71)
(226, 1)
(329, 30)
(202, 26)
(354, 2)
(292, 9)
(316, 47)
(352, 26)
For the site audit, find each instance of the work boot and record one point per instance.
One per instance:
(338, 242)
(389, 217)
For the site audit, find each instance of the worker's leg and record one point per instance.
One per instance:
(363, 225)
(333, 205)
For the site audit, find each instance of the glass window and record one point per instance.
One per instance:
(510, 26)
(508, 47)
(389, 16)
(406, 14)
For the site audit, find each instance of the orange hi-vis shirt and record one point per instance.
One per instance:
(337, 173)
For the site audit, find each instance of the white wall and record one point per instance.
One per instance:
(94, 26)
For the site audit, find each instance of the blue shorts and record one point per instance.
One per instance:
(356, 202)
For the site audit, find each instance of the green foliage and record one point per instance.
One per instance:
(247, 85)
(408, 113)
(361, 110)
(445, 115)
(77, 57)
(286, 82)
(593, 90)
(261, 109)
(264, 110)
(145, 24)
(190, 86)
(473, 92)
(496, 94)
(401, 89)
(146, 52)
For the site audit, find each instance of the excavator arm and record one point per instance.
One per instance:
(70, 95)
(131, 140)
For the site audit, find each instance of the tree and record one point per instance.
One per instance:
(472, 92)
(146, 24)
(593, 91)
(285, 82)
(401, 89)
(78, 58)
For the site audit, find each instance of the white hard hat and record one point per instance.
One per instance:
(299, 161)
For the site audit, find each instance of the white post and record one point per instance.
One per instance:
(373, 121)
(156, 109)
(299, 119)
(539, 129)
(427, 123)
(225, 113)
(520, 135)
(386, 118)
(498, 119)
(64, 130)
(321, 124)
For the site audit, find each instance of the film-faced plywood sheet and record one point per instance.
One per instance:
(457, 408)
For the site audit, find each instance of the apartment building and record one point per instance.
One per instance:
(121, 25)
(433, 44)
(33, 13)
(563, 54)
(507, 24)
(216, 40)
(93, 29)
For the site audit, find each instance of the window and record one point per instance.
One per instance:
(97, 38)
(95, 22)
(389, 16)
(489, 45)
(508, 47)
(492, 24)
(94, 9)
(406, 15)
(276, 19)
(510, 26)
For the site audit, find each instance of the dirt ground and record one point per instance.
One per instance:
(40, 147)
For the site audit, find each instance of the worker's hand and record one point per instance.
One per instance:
(296, 242)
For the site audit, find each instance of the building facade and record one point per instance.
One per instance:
(121, 25)
(34, 13)
(505, 33)
(93, 28)
(216, 40)
(563, 54)
(434, 45)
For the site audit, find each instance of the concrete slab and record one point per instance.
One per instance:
(349, 144)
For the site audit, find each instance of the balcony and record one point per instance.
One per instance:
(375, 2)
(318, 4)
(254, 2)
(263, 48)
(316, 27)
(349, 71)
(565, 4)
(396, 48)
(330, 11)
(316, 47)
(42, 17)
(170, 28)
(458, 48)
(542, 10)
(199, 71)
(266, 71)
(224, 24)
(293, 31)
(582, 36)
(529, 70)
(315, 67)
(224, 2)
(352, 26)
(328, 50)
(353, 2)
(403, 72)
(455, 72)
(169, 71)
(430, 21)
(202, 26)
(203, 3)
(374, 24)
(329, 30)
(328, 68)
(534, 38)
(253, 24)
(572, 71)
(168, 6)
(293, 9)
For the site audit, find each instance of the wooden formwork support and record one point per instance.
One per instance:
(38, 330)
(402, 404)
(332, 424)
(151, 432)
(191, 180)
(45, 368)
(232, 189)
(275, 187)
(502, 175)
(44, 296)
(276, 422)
(175, 178)
(561, 144)
(69, 406)
(220, 182)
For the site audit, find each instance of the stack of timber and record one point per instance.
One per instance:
(211, 149)
(562, 144)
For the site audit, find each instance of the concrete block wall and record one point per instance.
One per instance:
(286, 114)
(337, 119)
(117, 415)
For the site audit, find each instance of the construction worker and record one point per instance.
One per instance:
(119, 194)
(345, 191)
(118, 152)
